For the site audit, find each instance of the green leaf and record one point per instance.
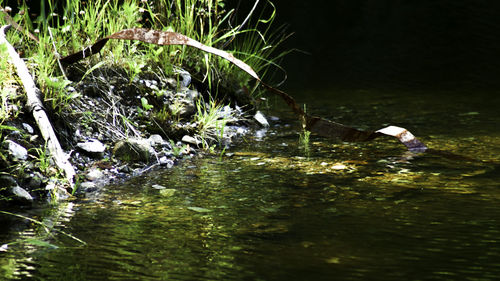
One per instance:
(41, 243)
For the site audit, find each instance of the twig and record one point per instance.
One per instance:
(58, 57)
(35, 105)
(16, 26)
(242, 24)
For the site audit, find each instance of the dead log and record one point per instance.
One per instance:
(35, 105)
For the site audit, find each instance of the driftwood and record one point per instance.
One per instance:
(35, 105)
(317, 125)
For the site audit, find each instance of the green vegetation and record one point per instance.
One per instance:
(106, 96)
(65, 29)
(210, 122)
(8, 87)
(304, 137)
(76, 24)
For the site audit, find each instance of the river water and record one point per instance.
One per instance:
(276, 209)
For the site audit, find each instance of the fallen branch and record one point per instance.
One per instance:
(35, 105)
(314, 124)
(16, 26)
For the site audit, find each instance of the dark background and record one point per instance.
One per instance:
(356, 44)
(439, 44)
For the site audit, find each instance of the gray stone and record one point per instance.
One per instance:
(157, 186)
(186, 76)
(185, 102)
(164, 161)
(94, 174)
(10, 189)
(16, 150)
(260, 134)
(133, 150)
(34, 181)
(28, 128)
(21, 194)
(261, 119)
(7, 181)
(190, 140)
(199, 209)
(88, 186)
(125, 169)
(56, 193)
(156, 140)
(92, 146)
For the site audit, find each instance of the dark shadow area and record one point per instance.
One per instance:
(393, 44)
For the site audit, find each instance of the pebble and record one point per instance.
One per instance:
(133, 150)
(88, 186)
(261, 119)
(155, 140)
(199, 209)
(21, 194)
(16, 150)
(92, 146)
(158, 186)
(28, 128)
(190, 140)
(164, 161)
(94, 174)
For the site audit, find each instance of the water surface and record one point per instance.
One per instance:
(277, 210)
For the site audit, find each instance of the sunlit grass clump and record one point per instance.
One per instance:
(64, 28)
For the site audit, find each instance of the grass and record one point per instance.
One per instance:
(8, 87)
(68, 26)
(77, 24)
(304, 136)
(211, 122)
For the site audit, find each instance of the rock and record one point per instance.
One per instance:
(21, 194)
(157, 186)
(261, 119)
(199, 209)
(28, 128)
(186, 76)
(16, 151)
(33, 181)
(56, 193)
(125, 169)
(7, 181)
(190, 140)
(156, 140)
(88, 186)
(164, 161)
(10, 189)
(92, 146)
(260, 134)
(94, 174)
(133, 150)
(185, 102)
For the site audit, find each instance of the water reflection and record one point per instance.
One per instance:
(273, 211)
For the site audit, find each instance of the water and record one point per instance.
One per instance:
(278, 211)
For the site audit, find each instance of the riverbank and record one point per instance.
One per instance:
(131, 108)
(112, 132)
